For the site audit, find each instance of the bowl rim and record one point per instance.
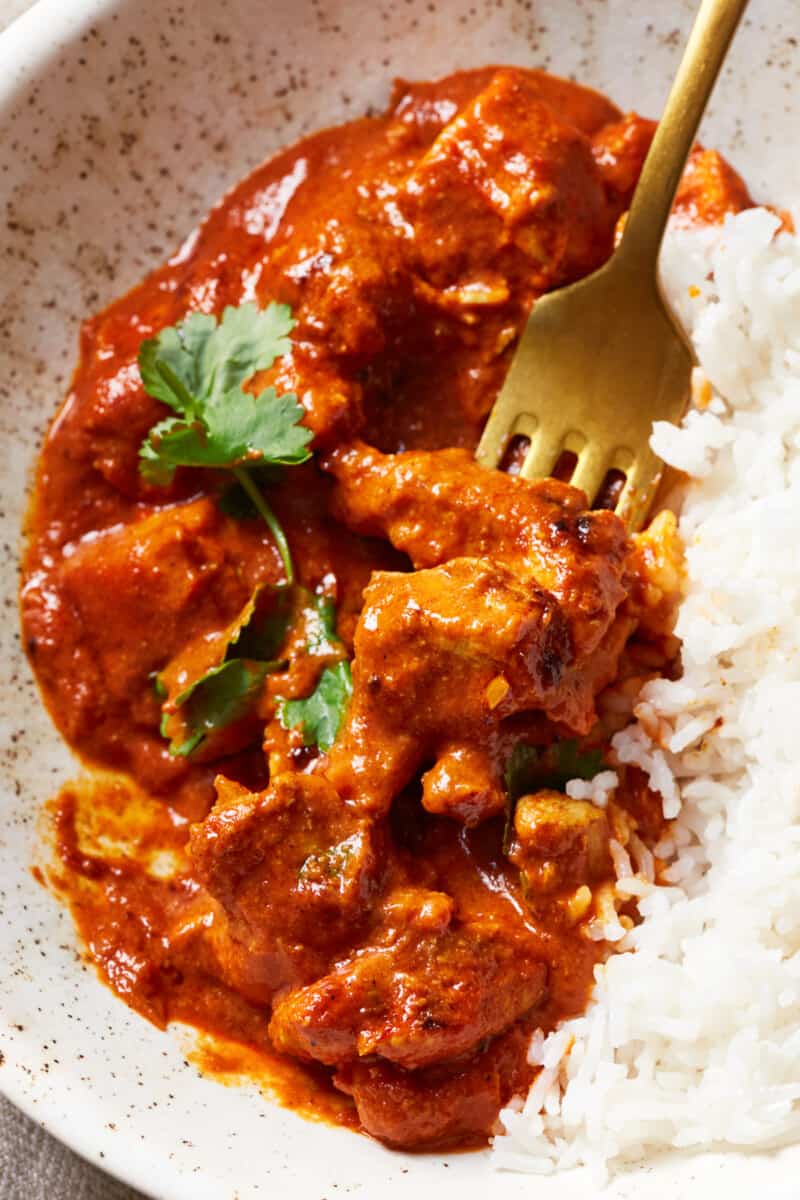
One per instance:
(27, 47)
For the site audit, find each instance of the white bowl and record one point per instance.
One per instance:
(121, 121)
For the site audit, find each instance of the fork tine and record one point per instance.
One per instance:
(640, 488)
(497, 432)
(590, 470)
(540, 461)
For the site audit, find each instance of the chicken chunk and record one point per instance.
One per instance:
(619, 150)
(430, 989)
(464, 783)
(709, 187)
(424, 107)
(442, 654)
(438, 1106)
(709, 190)
(524, 184)
(559, 842)
(295, 871)
(445, 654)
(438, 505)
(173, 575)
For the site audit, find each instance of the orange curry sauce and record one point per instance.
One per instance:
(363, 917)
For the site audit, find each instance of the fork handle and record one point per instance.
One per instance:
(705, 52)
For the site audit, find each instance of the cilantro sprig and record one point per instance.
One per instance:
(216, 682)
(197, 368)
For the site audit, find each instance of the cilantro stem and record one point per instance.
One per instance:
(172, 381)
(273, 524)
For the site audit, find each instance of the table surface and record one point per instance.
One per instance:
(33, 1165)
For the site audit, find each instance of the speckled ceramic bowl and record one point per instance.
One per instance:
(121, 121)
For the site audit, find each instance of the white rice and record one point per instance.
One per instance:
(694, 1040)
(597, 790)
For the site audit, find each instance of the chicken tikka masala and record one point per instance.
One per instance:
(346, 671)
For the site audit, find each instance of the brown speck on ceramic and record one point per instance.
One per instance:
(134, 117)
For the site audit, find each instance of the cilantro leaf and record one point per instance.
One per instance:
(223, 696)
(263, 635)
(168, 363)
(207, 359)
(531, 768)
(215, 682)
(233, 431)
(574, 763)
(321, 714)
(520, 769)
(321, 626)
(197, 369)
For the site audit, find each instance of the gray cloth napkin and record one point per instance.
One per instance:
(34, 1166)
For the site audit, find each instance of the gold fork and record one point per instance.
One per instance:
(600, 360)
